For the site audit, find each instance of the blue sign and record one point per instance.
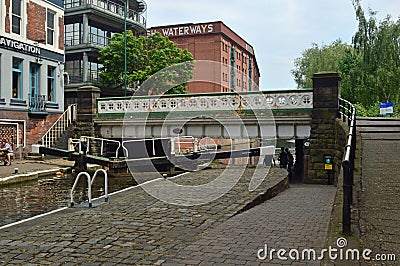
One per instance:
(386, 108)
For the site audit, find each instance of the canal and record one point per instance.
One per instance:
(29, 199)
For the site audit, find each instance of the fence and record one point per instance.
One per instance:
(348, 112)
(59, 127)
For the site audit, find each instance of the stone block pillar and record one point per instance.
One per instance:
(86, 111)
(326, 91)
(86, 104)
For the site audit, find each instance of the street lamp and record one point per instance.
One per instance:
(125, 9)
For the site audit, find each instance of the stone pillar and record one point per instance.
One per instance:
(86, 106)
(326, 91)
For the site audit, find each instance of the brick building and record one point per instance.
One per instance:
(31, 68)
(214, 41)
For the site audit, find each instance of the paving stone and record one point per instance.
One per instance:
(135, 228)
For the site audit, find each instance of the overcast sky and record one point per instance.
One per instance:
(279, 30)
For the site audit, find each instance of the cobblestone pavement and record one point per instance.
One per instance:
(298, 218)
(379, 200)
(133, 228)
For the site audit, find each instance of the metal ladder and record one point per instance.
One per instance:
(90, 183)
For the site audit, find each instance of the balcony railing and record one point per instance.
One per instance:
(94, 39)
(109, 6)
(37, 103)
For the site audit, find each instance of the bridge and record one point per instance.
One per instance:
(241, 119)
(285, 114)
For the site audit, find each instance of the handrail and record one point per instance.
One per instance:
(348, 111)
(59, 127)
(86, 138)
(90, 183)
(105, 182)
(89, 189)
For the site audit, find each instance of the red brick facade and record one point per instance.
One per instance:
(7, 18)
(35, 128)
(36, 28)
(216, 42)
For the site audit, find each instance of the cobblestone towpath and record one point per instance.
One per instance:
(137, 229)
(134, 227)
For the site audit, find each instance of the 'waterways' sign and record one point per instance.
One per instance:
(19, 46)
(386, 108)
(190, 29)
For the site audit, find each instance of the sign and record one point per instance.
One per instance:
(328, 164)
(190, 29)
(19, 46)
(386, 108)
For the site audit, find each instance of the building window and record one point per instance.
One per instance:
(94, 71)
(51, 84)
(16, 16)
(50, 27)
(17, 78)
(73, 34)
(74, 69)
(99, 36)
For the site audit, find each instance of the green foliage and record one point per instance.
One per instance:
(146, 55)
(370, 68)
(318, 59)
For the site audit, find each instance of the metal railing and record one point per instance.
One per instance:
(348, 112)
(86, 144)
(111, 6)
(59, 127)
(90, 184)
(37, 103)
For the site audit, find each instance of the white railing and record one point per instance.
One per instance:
(59, 127)
(217, 102)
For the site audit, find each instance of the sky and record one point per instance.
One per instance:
(279, 30)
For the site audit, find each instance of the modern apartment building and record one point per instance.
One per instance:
(31, 68)
(89, 25)
(214, 41)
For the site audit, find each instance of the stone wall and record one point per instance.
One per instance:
(326, 91)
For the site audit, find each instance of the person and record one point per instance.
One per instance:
(283, 159)
(7, 152)
(290, 161)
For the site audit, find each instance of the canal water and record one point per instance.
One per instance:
(29, 199)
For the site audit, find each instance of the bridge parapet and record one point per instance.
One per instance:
(246, 102)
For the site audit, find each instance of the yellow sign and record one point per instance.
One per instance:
(328, 167)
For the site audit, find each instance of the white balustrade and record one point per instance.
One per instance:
(59, 127)
(219, 102)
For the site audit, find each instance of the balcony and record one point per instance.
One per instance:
(37, 105)
(111, 6)
(94, 39)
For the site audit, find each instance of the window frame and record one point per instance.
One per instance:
(50, 29)
(51, 79)
(20, 72)
(16, 16)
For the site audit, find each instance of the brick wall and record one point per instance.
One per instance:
(36, 29)
(7, 18)
(35, 128)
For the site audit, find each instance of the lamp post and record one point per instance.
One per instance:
(125, 9)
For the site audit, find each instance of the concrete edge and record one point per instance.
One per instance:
(264, 196)
(21, 178)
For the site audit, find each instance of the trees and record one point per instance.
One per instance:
(375, 72)
(146, 55)
(370, 67)
(318, 59)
